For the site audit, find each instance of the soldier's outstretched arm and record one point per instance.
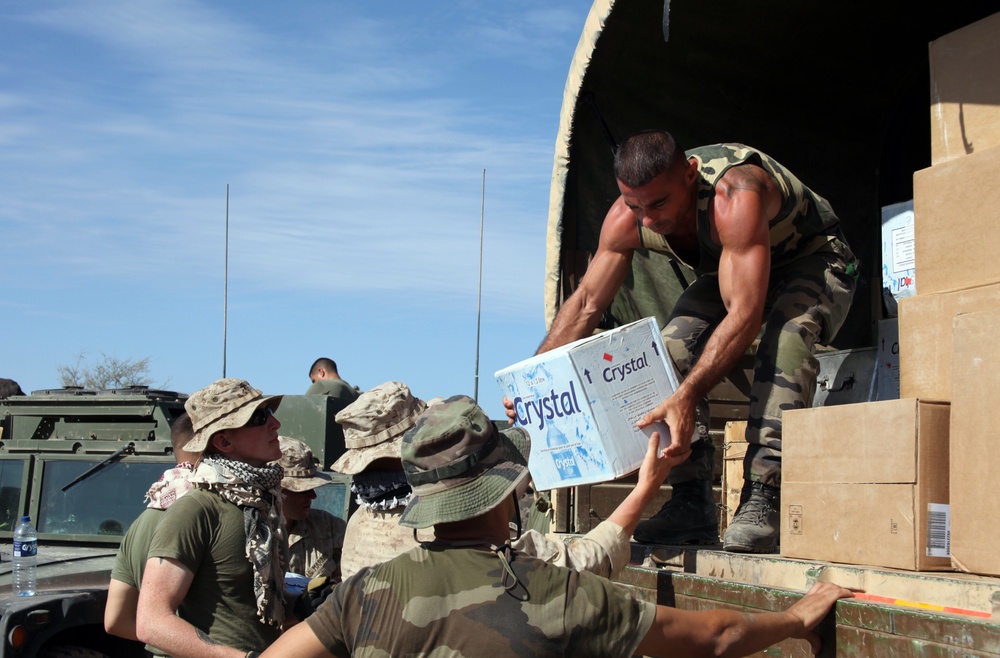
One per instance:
(605, 550)
(653, 471)
(743, 207)
(298, 642)
(730, 633)
(578, 316)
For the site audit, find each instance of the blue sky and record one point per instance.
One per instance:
(353, 138)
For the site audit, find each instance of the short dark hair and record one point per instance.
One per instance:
(325, 364)
(9, 387)
(645, 155)
(181, 433)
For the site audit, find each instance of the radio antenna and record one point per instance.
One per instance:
(479, 303)
(225, 289)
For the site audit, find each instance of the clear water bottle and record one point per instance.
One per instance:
(25, 555)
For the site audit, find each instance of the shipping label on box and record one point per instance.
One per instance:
(898, 261)
(580, 403)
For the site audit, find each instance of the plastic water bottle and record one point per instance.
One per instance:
(25, 556)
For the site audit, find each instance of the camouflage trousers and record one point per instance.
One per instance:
(807, 302)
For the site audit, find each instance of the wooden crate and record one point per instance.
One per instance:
(734, 448)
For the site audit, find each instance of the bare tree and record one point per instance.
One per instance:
(108, 372)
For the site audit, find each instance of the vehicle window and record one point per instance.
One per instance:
(335, 498)
(11, 472)
(105, 503)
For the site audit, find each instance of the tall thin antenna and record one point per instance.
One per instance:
(225, 290)
(479, 303)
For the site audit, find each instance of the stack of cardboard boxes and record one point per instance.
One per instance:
(880, 483)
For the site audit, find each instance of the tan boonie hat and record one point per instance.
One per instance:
(300, 466)
(225, 404)
(459, 463)
(374, 424)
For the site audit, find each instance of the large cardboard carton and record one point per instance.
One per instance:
(899, 274)
(975, 459)
(926, 325)
(865, 484)
(956, 222)
(965, 90)
(580, 404)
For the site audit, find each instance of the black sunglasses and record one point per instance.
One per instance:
(259, 417)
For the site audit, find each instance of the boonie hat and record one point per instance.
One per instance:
(459, 463)
(225, 404)
(374, 425)
(299, 465)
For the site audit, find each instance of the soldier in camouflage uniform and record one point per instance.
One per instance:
(467, 593)
(374, 425)
(768, 252)
(315, 537)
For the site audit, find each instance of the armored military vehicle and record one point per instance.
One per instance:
(79, 462)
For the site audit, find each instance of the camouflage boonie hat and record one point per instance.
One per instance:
(299, 465)
(225, 404)
(374, 425)
(459, 464)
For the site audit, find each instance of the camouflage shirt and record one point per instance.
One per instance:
(315, 544)
(450, 602)
(804, 225)
(374, 537)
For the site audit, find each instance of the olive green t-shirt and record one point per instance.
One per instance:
(205, 533)
(131, 559)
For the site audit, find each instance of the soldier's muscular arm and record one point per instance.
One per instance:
(730, 633)
(746, 199)
(578, 316)
(165, 583)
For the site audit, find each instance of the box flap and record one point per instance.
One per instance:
(868, 442)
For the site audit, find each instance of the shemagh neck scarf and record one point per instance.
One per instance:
(257, 491)
(174, 483)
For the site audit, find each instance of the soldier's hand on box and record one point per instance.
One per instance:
(656, 464)
(509, 408)
(678, 414)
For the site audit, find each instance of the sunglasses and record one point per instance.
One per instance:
(259, 417)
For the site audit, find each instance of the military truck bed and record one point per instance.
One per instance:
(692, 579)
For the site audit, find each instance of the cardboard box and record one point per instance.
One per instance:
(862, 484)
(887, 368)
(734, 449)
(965, 90)
(580, 403)
(898, 270)
(975, 460)
(926, 325)
(957, 222)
